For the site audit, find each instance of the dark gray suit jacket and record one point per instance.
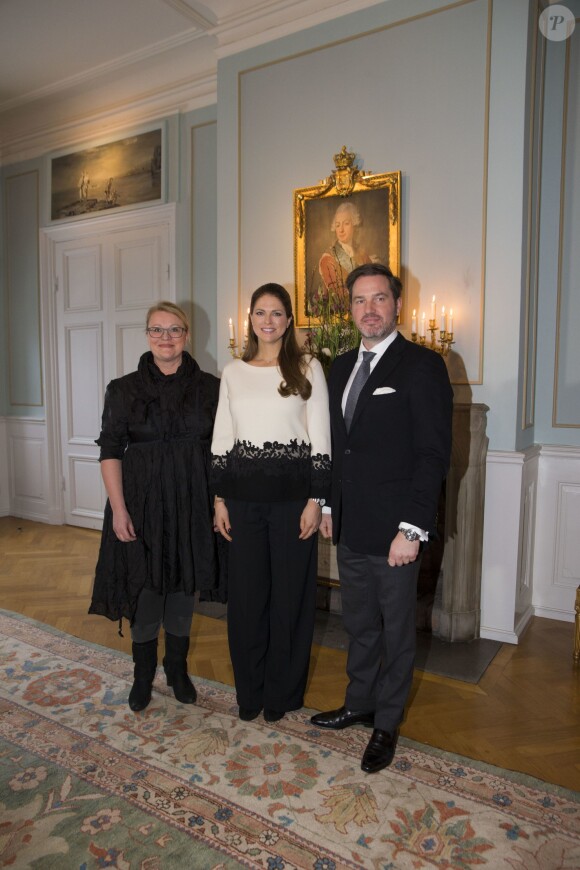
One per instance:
(390, 466)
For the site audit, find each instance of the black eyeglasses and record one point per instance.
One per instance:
(172, 331)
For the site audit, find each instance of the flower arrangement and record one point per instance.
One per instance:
(335, 332)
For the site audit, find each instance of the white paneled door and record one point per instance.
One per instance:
(104, 283)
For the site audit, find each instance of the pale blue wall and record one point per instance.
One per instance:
(404, 84)
(386, 119)
(197, 232)
(22, 379)
(191, 183)
(557, 396)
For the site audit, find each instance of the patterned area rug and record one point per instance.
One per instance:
(85, 783)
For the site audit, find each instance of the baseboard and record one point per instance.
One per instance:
(554, 613)
(498, 634)
(524, 621)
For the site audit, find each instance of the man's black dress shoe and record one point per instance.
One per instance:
(342, 718)
(273, 715)
(380, 750)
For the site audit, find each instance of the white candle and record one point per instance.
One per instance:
(442, 327)
(414, 321)
(450, 323)
(246, 329)
(422, 332)
(433, 309)
(232, 335)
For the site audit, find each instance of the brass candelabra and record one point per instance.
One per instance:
(233, 348)
(232, 344)
(442, 345)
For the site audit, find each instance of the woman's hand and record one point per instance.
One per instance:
(309, 520)
(123, 526)
(221, 520)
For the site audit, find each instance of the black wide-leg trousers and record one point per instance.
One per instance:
(271, 603)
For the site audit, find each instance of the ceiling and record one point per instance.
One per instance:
(51, 48)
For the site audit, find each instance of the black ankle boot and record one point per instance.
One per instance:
(175, 666)
(145, 658)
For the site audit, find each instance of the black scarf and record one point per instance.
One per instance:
(173, 393)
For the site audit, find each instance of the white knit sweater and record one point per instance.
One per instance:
(267, 447)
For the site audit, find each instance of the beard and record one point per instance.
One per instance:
(377, 330)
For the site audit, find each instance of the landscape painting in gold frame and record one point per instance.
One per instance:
(351, 217)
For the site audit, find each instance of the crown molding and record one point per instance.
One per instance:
(189, 12)
(275, 20)
(184, 96)
(98, 72)
(75, 108)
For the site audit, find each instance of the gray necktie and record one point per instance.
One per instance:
(356, 387)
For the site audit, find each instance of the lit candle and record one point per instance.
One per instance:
(433, 309)
(232, 335)
(422, 332)
(450, 323)
(414, 321)
(442, 327)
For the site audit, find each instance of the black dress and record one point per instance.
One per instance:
(160, 427)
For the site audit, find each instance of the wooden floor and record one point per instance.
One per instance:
(523, 715)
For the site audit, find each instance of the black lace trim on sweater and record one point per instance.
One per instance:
(272, 453)
(274, 460)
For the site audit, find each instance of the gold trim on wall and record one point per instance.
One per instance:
(555, 423)
(537, 77)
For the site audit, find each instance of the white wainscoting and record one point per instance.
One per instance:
(27, 462)
(4, 476)
(531, 539)
(501, 547)
(557, 541)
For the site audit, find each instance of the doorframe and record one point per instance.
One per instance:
(49, 237)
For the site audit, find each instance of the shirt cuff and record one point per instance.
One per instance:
(326, 509)
(423, 535)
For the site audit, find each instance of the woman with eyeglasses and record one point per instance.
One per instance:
(158, 545)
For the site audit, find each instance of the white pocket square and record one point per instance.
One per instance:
(381, 391)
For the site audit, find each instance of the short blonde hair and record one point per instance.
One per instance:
(169, 308)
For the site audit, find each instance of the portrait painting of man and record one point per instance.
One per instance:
(341, 233)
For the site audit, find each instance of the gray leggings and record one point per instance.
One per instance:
(173, 611)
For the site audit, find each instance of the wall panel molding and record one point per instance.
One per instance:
(27, 466)
(23, 333)
(566, 407)
(4, 475)
(556, 572)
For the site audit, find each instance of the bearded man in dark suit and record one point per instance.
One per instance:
(391, 414)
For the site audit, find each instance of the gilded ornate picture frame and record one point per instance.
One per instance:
(350, 218)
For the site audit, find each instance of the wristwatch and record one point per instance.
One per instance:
(320, 501)
(410, 534)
